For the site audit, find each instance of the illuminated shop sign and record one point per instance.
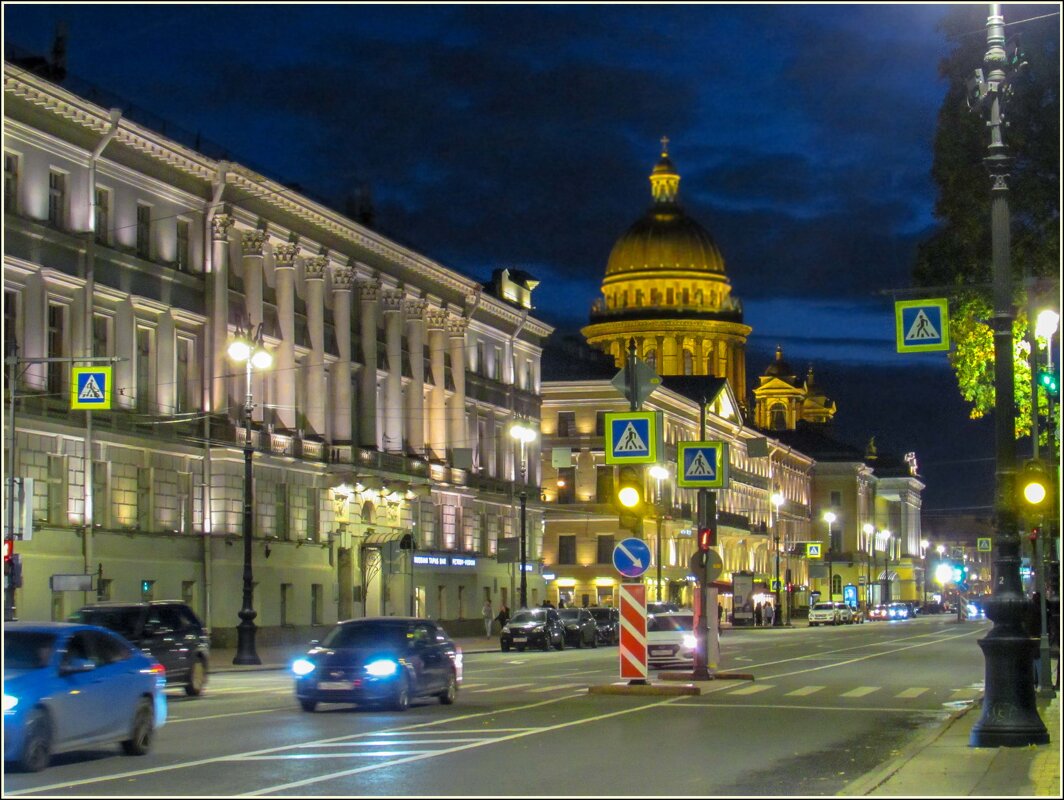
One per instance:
(445, 561)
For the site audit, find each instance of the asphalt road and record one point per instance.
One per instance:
(826, 706)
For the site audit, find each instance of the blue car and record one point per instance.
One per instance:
(69, 686)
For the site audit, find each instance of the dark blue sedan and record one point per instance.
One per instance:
(380, 660)
(70, 686)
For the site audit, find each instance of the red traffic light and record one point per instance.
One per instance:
(9, 549)
(707, 538)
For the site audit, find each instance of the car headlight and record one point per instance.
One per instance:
(506, 629)
(572, 627)
(690, 642)
(382, 668)
(538, 629)
(302, 666)
(10, 701)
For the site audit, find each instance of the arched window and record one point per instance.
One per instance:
(778, 417)
(367, 511)
(688, 362)
(652, 358)
(836, 585)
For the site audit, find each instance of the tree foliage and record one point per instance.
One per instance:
(956, 258)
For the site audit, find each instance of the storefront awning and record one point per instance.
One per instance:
(376, 536)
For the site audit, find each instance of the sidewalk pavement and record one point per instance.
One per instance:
(939, 764)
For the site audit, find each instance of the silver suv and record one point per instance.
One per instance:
(830, 614)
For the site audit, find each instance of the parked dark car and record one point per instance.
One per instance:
(580, 627)
(533, 627)
(168, 629)
(661, 607)
(70, 687)
(379, 660)
(607, 624)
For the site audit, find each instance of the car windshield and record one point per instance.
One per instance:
(529, 616)
(366, 634)
(125, 621)
(571, 614)
(600, 614)
(823, 607)
(27, 650)
(679, 622)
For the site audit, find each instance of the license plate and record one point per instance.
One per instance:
(333, 686)
(661, 651)
(520, 639)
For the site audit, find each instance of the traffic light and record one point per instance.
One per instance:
(1047, 379)
(12, 565)
(629, 498)
(707, 538)
(1034, 487)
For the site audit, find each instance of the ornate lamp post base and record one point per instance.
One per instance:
(245, 639)
(1010, 716)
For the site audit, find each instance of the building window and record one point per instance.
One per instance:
(57, 198)
(482, 361)
(447, 525)
(102, 326)
(600, 423)
(778, 417)
(57, 371)
(566, 423)
(145, 398)
(604, 484)
(313, 526)
(145, 498)
(496, 365)
(143, 230)
(605, 549)
(836, 500)
(185, 393)
(530, 377)
(566, 484)
(57, 489)
(188, 593)
(102, 216)
(469, 533)
(101, 494)
(280, 511)
(11, 176)
(317, 603)
(10, 319)
(566, 549)
(688, 363)
(182, 254)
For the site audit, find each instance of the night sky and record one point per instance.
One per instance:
(523, 136)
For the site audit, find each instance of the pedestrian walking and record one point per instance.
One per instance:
(489, 617)
(769, 613)
(720, 613)
(503, 616)
(757, 615)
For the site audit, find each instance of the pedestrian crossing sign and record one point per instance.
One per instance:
(90, 388)
(702, 465)
(633, 437)
(922, 325)
(812, 550)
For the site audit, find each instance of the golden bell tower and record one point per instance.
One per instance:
(665, 287)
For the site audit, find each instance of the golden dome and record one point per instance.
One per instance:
(665, 238)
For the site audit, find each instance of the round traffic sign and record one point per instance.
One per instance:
(631, 557)
(706, 563)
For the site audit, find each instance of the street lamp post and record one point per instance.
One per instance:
(659, 473)
(777, 501)
(829, 518)
(524, 434)
(886, 590)
(924, 544)
(248, 348)
(870, 531)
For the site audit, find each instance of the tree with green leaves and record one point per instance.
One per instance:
(956, 258)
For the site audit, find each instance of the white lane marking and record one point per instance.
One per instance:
(804, 708)
(860, 691)
(173, 721)
(753, 688)
(557, 688)
(307, 756)
(907, 694)
(251, 753)
(805, 691)
(404, 742)
(449, 732)
(502, 688)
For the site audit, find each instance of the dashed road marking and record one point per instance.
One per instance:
(860, 691)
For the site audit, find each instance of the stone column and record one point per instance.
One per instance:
(368, 294)
(437, 322)
(392, 306)
(415, 393)
(284, 373)
(701, 368)
(251, 243)
(218, 287)
(315, 267)
(456, 422)
(343, 281)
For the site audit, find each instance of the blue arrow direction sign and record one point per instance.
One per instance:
(922, 325)
(631, 557)
(702, 465)
(632, 437)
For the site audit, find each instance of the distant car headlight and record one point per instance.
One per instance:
(690, 642)
(973, 610)
(382, 668)
(302, 666)
(10, 702)
(572, 627)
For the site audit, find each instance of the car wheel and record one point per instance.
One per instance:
(37, 749)
(812, 624)
(308, 705)
(520, 648)
(506, 648)
(580, 641)
(448, 695)
(197, 679)
(401, 701)
(142, 729)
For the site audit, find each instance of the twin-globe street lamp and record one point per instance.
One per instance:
(525, 434)
(777, 501)
(248, 347)
(829, 518)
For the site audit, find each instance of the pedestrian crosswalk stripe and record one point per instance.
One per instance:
(911, 692)
(630, 441)
(860, 691)
(804, 691)
(754, 688)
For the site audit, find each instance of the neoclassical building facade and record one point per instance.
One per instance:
(383, 473)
